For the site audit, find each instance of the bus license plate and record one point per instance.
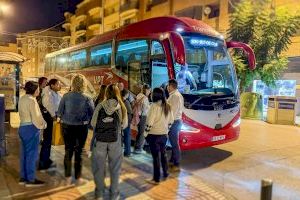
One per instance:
(218, 138)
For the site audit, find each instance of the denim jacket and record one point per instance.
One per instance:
(75, 109)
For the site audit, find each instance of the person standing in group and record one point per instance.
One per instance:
(75, 112)
(130, 97)
(29, 132)
(158, 122)
(177, 105)
(50, 101)
(101, 95)
(140, 112)
(109, 118)
(42, 84)
(127, 131)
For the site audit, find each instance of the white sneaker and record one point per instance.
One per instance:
(81, 181)
(69, 181)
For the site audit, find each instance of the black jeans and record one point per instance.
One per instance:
(45, 160)
(140, 138)
(158, 150)
(74, 137)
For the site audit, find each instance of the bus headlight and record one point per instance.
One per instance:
(236, 123)
(187, 128)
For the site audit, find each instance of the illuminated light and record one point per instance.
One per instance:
(236, 123)
(189, 129)
(203, 43)
(62, 60)
(184, 140)
(222, 37)
(179, 30)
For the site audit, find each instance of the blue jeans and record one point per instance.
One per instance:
(127, 141)
(29, 136)
(173, 137)
(100, 151)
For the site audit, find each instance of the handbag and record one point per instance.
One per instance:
(57, 138)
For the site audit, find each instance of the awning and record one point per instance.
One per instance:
(10, 57)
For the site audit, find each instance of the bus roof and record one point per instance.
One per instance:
(149, 28)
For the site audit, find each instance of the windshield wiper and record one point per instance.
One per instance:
(197, 100)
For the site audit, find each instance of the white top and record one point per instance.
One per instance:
(30, 112)
(177, 104)
(145, 104)
(157, 123)
(50, 100)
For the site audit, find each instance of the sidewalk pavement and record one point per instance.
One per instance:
(133, 185)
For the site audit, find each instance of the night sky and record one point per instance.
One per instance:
(35, 14)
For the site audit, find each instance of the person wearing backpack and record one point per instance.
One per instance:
(127, 131)
(159, 120)
(109, 118)
(140, 111)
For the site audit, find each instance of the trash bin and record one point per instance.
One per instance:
(282, 110)
(272, 111)
(2, 133)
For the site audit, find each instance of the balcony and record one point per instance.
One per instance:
(80, 29)
(131, 5)
(155, 3)
(95, 23)
(80, 17)
(109, 3)
(108, 12)
(66, 25)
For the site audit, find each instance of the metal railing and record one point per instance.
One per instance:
(129, 5)
(81, 27)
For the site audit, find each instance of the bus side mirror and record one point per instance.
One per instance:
(177, 45)
(247, 49)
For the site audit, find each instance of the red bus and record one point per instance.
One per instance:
(156, 50)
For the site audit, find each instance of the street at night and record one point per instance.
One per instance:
(149, 99)
(228, 171)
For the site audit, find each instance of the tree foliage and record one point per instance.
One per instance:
(268, 31)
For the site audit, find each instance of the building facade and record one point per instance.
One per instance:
(93, 17)
(8, 47)
(34, 46)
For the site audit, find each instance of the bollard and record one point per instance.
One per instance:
(266, 189)
(2, 132)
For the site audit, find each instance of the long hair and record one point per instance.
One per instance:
(158, 94)
(78, 83)
(113, 92)
(101, 95)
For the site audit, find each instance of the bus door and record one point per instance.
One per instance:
(158, 62)
(132, 60)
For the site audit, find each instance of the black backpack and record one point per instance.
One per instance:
(107, 127)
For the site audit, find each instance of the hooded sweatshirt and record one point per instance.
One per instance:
(110, 106)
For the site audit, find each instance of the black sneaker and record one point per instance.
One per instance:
(22, 181)
(35, 183)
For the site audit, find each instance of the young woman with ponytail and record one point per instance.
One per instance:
(159, 120)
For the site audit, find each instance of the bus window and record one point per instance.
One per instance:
(77, 59)
(47, 65)
(131, 51)
(160, 75)
(52, 65)
(61, 63)
(101, 55)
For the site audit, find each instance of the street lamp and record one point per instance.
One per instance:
(4, 9)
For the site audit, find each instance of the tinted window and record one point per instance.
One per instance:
(101, 55)
(77, 60)
(130, 52)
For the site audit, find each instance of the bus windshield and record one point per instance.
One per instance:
(209, 69)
